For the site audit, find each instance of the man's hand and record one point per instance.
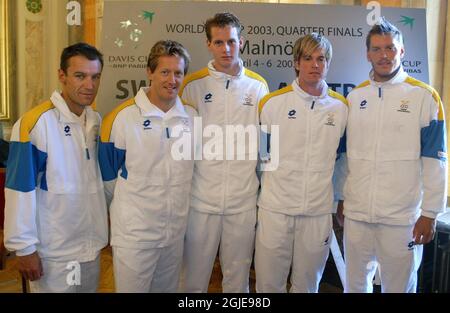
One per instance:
(30, 266)
(340, 213)
(424, 230)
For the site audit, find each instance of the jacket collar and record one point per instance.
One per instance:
(65, 115)
(149, 109)
(223, 76)
(306, 96)
(398, 78)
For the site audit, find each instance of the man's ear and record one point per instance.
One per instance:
(149, 73)
(297, 64)
(62, 76)
(402, 52)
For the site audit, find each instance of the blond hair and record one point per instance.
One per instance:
(167, 48)
(307, 44)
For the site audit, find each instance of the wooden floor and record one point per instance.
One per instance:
(10, 280)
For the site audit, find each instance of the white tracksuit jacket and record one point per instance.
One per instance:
(311, 129)
(397, 154)
(225, 186)
(150, 187)
(55, 201)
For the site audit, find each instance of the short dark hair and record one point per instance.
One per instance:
(89, 52)
(221, 20)
(384, 27)
(167, 48)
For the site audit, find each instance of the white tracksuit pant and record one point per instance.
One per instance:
(63, 277)
(390, 247)
(236, 235)
(283, 241)
(148, 270)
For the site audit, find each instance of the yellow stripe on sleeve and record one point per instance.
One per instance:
(256, 76)
(273, 94)
(109, 119)
(30, 119)
(194, 76)
(434, 93)
(363, 84)
(338, 96)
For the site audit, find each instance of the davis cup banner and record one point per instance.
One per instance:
(130, 28)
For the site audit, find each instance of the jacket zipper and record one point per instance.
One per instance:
(167, 182)
(377, 144)
(84, 132)
(225, 163)
(308, 141)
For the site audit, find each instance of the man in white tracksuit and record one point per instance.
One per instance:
(296, 200)
(146, 162)
(223, 202)
(55, 210)
(397, 169)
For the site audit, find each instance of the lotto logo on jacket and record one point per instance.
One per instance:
(363, 104)
(146, 124)
(67, 130)
(291, 114)
(208, 98)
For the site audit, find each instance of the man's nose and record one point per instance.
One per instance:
(89, 83)
(171, 77)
